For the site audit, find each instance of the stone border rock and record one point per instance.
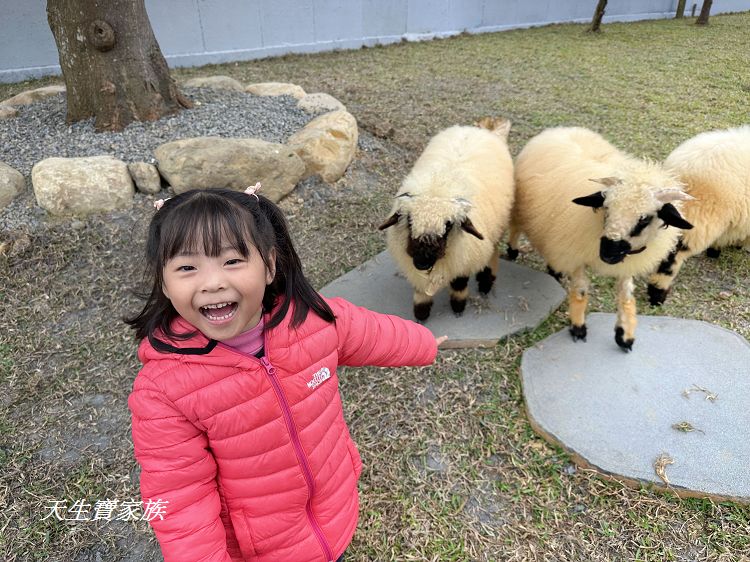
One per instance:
(324, 147)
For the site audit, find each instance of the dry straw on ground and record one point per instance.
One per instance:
(453, 470)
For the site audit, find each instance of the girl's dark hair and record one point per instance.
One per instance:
(204, 220)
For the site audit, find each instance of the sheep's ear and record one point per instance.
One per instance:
(672, 194)
(469, 227)
(672, 217)
(595, 200)
(390, 221)
(606, 182)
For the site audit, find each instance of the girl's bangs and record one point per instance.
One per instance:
(206, 225)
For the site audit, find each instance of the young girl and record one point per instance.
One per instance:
(237, 418)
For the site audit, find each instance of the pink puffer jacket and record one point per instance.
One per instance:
(253, 456)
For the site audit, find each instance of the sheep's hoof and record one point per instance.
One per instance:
(458, 306)
(511, 253)
(625, 345)
(578, 332)
(422, 311)
(713, 253)
(656, 296)
(485, 280)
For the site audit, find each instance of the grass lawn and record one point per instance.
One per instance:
(453, 470)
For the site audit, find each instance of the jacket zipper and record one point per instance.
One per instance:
(301, 458)
(271, 370)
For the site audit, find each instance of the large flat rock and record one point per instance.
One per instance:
(520, 300)
(619, 412)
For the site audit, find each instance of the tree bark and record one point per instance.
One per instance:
(680, 9)
(705, 10)
(596, 21)
(113, 67)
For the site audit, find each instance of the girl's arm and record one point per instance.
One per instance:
(177, 467)
(371, 338)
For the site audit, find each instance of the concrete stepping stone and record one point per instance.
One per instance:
(520, 300)
(677, 405)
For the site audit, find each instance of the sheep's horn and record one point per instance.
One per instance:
(607, 182)
(672, 194)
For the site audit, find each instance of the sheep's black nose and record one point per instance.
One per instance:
(613, 251)
(423, 263)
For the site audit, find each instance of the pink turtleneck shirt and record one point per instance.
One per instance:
(249, 342)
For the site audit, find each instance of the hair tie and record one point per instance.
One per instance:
(159, 203)
(252, 190)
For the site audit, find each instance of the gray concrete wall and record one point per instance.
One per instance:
(196, 32)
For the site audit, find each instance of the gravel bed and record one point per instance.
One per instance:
(40, 131)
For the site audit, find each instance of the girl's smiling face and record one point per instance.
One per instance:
(222, 296)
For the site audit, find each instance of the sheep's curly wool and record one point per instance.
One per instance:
(463, 172)
(715, 167)
(557, 166)
(623, 236)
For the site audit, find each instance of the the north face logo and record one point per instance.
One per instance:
(319, 378)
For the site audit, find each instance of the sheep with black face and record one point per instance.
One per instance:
(624, 231)
(451, 211)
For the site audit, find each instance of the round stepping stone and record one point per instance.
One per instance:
(676, 408)
(520, 300)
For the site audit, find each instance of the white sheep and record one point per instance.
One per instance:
(715, 167)
(622, 237)
(451, 211)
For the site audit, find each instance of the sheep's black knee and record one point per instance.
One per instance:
(625, 344)
(665, 267)
(656, 296)
(422, 310)
(511, 253)
(578, 332)
(459, 283)
(556, 274)
(485, 280)
(713, 252)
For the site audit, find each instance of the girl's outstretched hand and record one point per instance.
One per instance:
(440, 340)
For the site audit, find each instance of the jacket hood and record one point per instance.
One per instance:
(195, 349)
(196, 345)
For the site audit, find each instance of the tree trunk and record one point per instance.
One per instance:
(596, 21)
(112, 65)
(680, 9)
(705, 10)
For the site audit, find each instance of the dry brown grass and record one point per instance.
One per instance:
(453, 470)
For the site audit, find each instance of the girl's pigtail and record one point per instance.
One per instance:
(290, 283)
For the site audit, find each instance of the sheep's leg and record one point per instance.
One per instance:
(713, 252)
(578, 299)
(459, 294)
(513, 237)
(486, 277)
(556, 274)
(660, 283)
(422, 305)
(626, 314)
